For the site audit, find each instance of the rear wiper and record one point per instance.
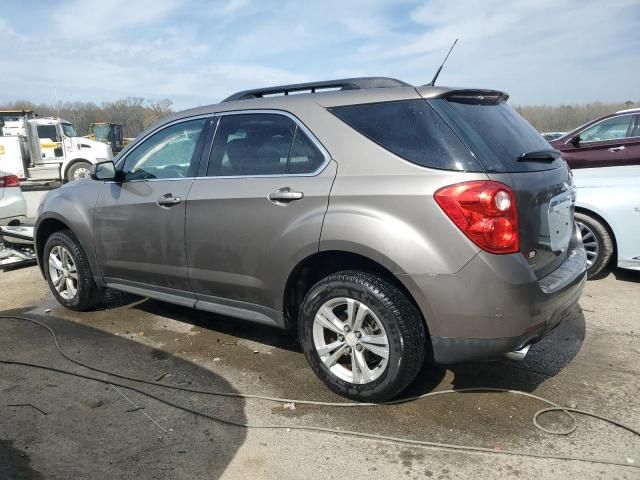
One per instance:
(548, 155)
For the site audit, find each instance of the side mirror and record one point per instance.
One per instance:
(103, 171)
(575, 140)
(58, 139)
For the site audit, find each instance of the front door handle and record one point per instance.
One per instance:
(616, 149)
(284, 195)
(168, 200)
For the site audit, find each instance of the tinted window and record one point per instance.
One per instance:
(47, 131)
(305, 156)
(412, 130)
(166, 154)
(495, 133)
(613, 128)
(252, 144)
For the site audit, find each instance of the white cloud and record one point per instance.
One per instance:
(541, 51)
(90, 18)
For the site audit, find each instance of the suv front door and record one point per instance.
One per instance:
(139, 221)
(255, 213)
(614, 141)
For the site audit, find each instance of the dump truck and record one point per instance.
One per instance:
(46, 150)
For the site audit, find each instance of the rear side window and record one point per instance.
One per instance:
(412, 130)
(495, 133)
(47, 131)
(262, 144)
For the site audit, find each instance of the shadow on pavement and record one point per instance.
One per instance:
(54, 425)
(632, 276)
(545, 359)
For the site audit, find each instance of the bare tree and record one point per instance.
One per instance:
(133, 113)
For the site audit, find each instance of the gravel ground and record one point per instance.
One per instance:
(93, 430)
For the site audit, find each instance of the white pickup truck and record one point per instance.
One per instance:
(43, 150)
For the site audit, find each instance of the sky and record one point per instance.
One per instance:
(198, 52)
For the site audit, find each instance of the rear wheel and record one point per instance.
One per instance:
(597, 242)
(68, 272)
(79, 170)
(362, 336)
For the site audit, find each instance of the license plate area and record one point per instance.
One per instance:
(560, 221)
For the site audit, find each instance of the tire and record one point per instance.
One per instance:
(64, 245)
(78, 170)
(597, 241)
(389, 314)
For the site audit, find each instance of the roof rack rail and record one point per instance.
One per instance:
(313, 87)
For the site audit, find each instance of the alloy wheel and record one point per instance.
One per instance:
(350, 340)
(590, 242)
(63, 272)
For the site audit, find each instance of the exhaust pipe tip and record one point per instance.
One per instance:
(518, 355)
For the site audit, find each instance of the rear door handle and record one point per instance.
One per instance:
(168, 200)
(616, 149)
(284, 195)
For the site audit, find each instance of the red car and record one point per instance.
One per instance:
(612, 140)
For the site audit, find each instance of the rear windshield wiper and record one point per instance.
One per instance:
(548, 155)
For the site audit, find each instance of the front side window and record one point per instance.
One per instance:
(165, 154)
(614, 128)
(262, 144)
(68, 130)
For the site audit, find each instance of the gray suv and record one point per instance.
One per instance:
(387, 223)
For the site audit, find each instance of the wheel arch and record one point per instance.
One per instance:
(321, 264)
(44, 230)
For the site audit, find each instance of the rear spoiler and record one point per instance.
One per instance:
(473, 96)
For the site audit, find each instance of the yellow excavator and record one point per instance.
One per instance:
(109, 133)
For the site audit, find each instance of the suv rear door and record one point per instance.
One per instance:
(498, 137)
(254, 212)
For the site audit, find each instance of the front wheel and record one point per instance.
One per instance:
(362, 336)
(79, 170)
(68, 272)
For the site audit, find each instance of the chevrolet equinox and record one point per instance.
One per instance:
(386, 223)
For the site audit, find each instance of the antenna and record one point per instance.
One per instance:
(435, 77)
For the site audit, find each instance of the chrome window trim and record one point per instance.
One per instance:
(272, 111)
(604, 120)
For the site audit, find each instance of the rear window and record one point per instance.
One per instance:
(495, 133)
(412, 130)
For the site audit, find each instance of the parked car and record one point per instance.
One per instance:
(382, 221)
(13, 207)
(608, 214)
(611, 140)
(551, 136)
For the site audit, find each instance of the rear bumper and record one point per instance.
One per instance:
(495, 304)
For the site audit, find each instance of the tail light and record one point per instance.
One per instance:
(9, 181)
(485, 211)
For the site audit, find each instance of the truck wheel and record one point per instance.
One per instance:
(362, 336)
(68, 272)
(597, 242)
(78, 170)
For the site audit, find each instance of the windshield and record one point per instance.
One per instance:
(101, 132)
(68, 130)
(496, 134)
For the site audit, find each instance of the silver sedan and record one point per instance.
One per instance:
(13, 206)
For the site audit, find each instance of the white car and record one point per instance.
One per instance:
(13, 206)
(608, 215)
